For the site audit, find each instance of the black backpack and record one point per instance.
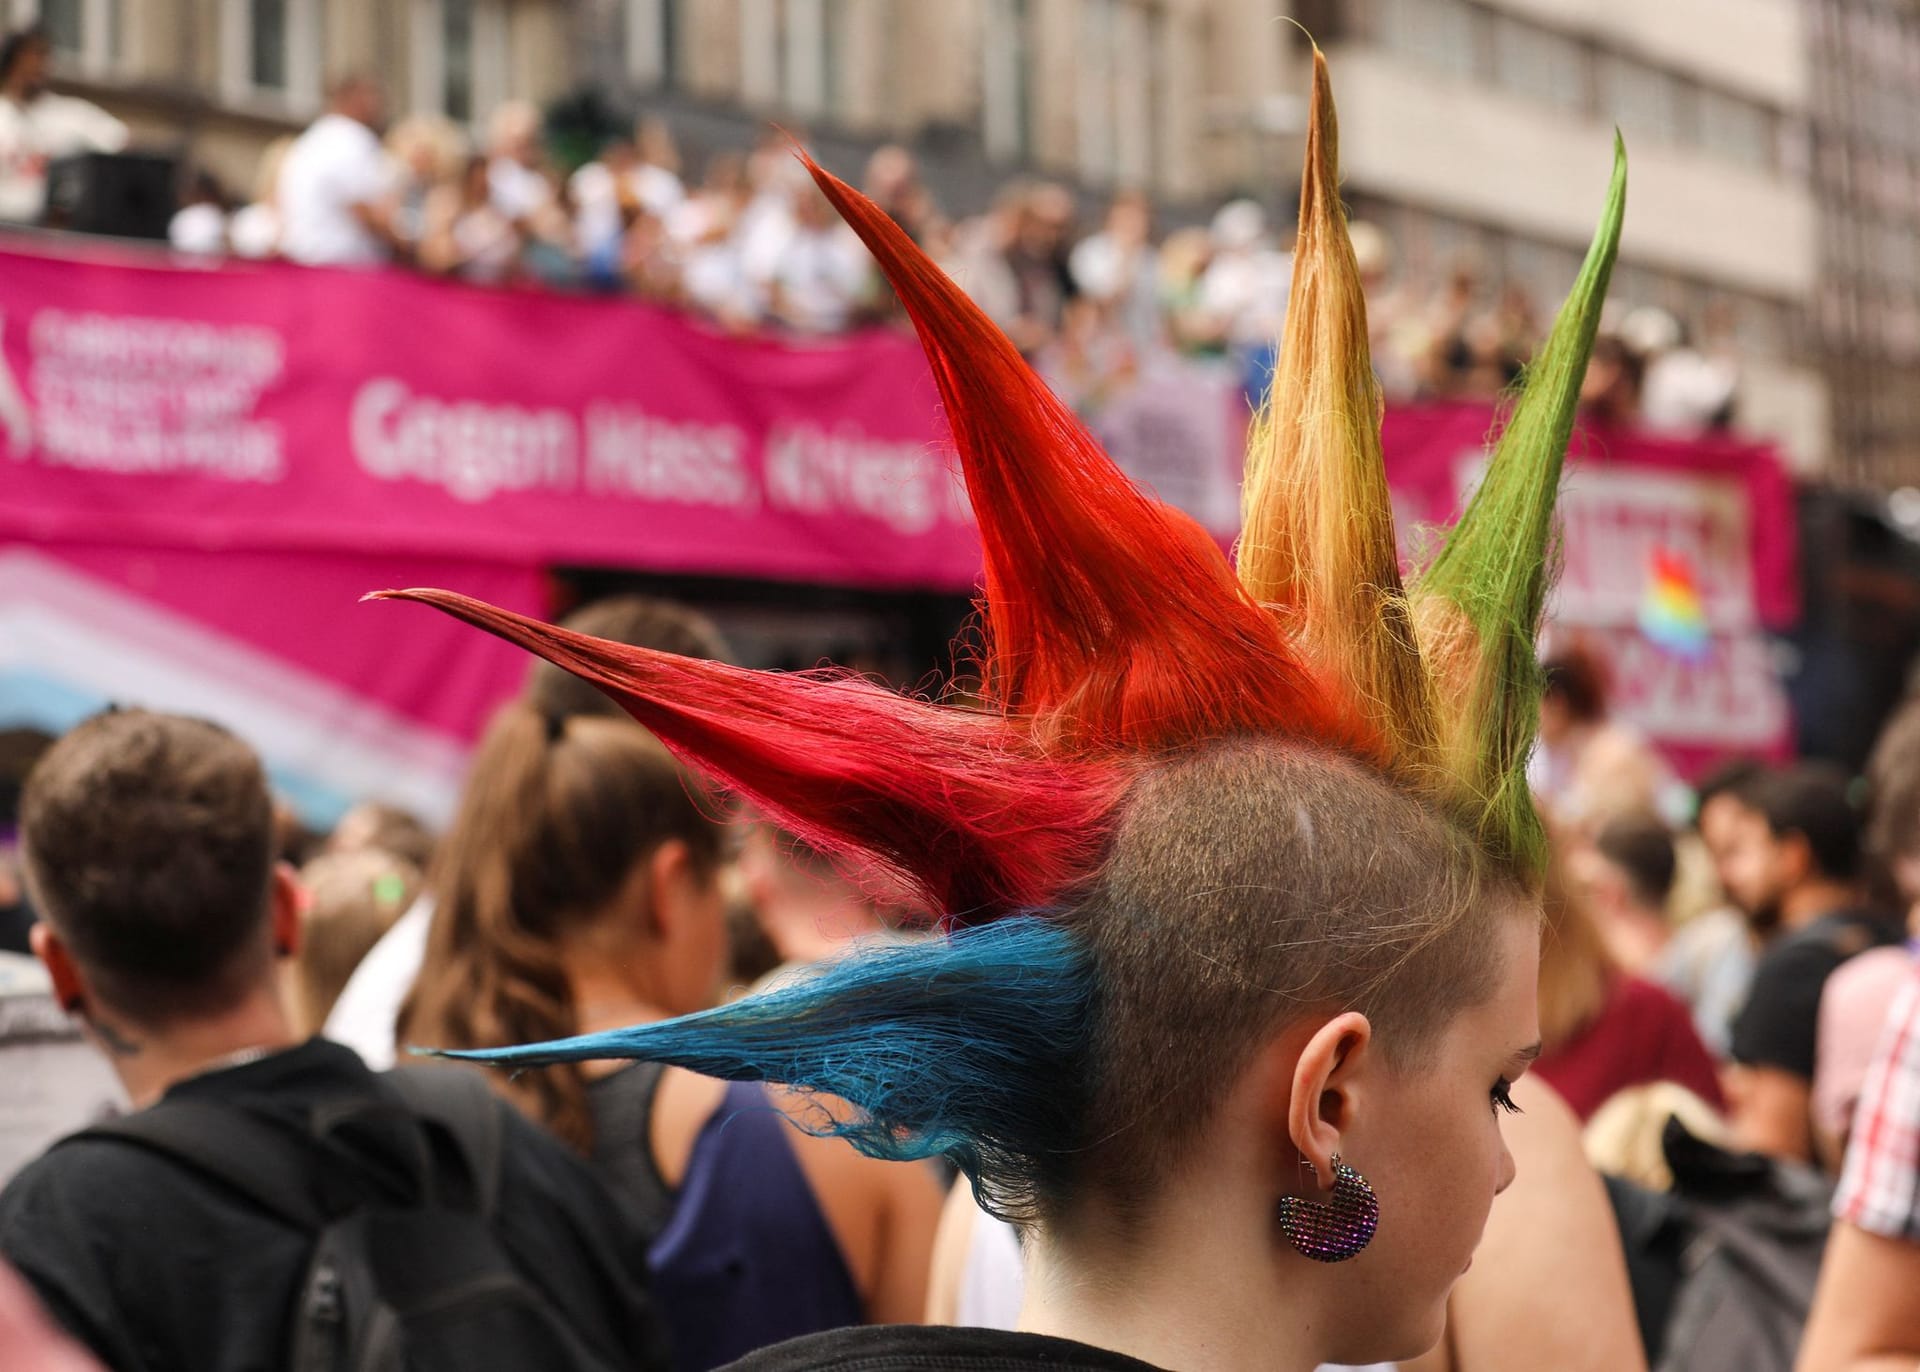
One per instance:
(1724, 1265)
(391, 1286)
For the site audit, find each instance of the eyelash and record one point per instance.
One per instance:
(1502, 1097)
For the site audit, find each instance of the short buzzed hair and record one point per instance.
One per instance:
(149, 848)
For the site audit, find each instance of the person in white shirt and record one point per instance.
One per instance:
(336, 185)
(365, 1015)
(37, 126)
(466, 234)
(1119, 267)
(822, 273)
(1246, 284)
(612, 191)
(519, 186)
(200, 225)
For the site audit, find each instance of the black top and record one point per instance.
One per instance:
(622, 1107)
(930, 1348)
(158, 1268)
(1777, 1026)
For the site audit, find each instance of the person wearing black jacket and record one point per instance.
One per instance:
(148, 851)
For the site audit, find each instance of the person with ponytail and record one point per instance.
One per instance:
(1236, 868)
(580, 889)
(368, 1010)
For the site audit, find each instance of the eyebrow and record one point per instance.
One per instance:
(1525, 1057)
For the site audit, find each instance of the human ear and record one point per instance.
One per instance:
(68, 987)
(669, 888)
(1325, 1090)
(287, 902)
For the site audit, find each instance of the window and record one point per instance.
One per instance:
(1007, 80)
(85, 32)
(1093, 76)
(789, 55)
(650, 37)
(1115, 88)
(1539, 64)
(271, 49)
(1441, 34)
(1642, 100)
(459, 66)
(807, 58)
(456, 57)
(1736, 129)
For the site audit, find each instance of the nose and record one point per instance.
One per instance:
(1504, 1175)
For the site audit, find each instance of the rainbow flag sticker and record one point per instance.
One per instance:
(1672, 614)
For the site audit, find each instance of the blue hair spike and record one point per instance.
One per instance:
(973, 1046)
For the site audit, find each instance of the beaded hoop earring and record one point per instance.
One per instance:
(1335, 1229)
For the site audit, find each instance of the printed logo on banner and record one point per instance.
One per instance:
(132, 394)
(1690, 668)
(1617, 523)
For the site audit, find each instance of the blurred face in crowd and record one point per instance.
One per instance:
(364, 101)
(812, 211)
(473, 181)
(1719, 825)
(1756, 867)
(32, 68)
(1049, 214)
(1130, 219)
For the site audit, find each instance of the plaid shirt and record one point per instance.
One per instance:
(1880, 1187)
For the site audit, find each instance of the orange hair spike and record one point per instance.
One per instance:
(1317, 544)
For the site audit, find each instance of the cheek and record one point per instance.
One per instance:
(1444, 1179)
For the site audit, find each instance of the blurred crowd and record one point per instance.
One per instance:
(745, 239)
(1728, 1006)
(748, 241)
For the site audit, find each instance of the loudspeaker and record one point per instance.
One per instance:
(125, 194)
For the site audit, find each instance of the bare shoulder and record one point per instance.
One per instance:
(1553, 1231)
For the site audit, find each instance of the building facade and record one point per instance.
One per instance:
(1865, 56)
(219, 79)
(1484, 129)
(1470, 128)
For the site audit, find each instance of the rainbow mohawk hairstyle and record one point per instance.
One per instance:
(1114, 631)
(1443, 671)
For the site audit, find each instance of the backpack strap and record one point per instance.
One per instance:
(460, 1101)
(270, 1165)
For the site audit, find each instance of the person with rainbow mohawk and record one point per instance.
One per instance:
(1237, 869)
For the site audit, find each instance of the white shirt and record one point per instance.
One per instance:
(1248, 291)
(34, 134)
(517, 191)
(821, 274)
(336, 165)
(368, 1010)
(254, 230)
(596, 193)
(198, 228)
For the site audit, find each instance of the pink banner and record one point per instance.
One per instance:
(343, 700)
(328, 432)
(1725, 504)
(268, 406)
(1631, 505)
